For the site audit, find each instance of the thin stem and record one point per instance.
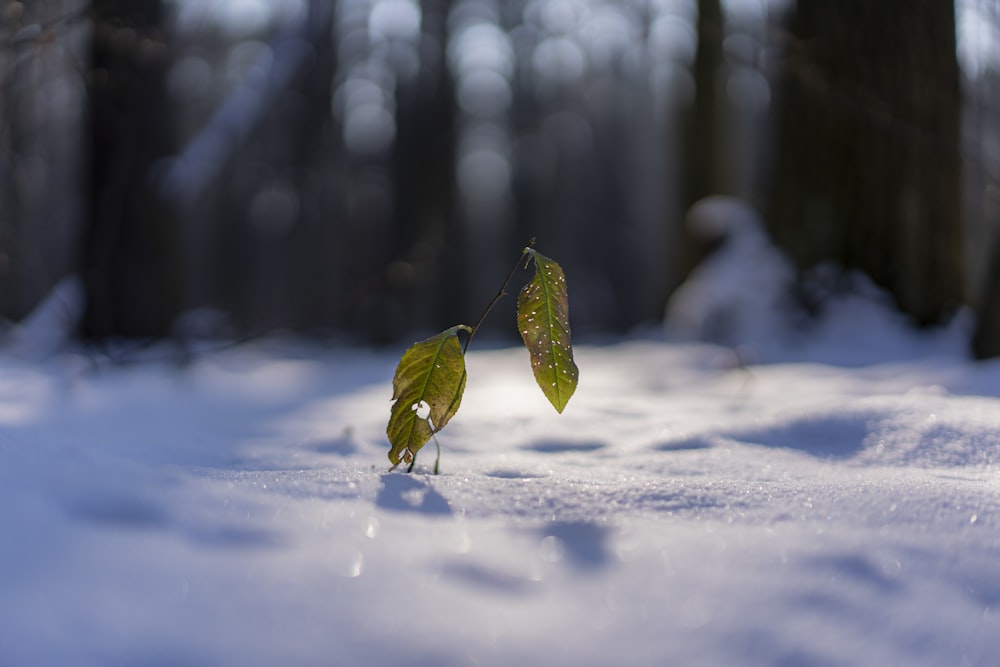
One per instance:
(499, 295)
(437, 461)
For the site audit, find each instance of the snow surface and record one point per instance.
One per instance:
(838, 505)
(683, 510)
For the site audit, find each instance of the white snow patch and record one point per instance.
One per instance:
(686, 509)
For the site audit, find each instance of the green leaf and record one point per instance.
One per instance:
(431, 372)
(543, 320)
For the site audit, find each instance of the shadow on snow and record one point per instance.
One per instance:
(402, 492)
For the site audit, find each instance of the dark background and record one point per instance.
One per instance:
(371, 168)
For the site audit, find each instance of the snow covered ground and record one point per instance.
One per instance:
(837, 503)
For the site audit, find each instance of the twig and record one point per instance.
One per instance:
(499, 295)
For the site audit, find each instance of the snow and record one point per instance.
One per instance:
(837, 504)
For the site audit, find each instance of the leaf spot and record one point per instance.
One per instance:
(423, 409)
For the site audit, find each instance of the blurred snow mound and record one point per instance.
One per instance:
(735, 295)
(746, 295)
(907, 430)
(46, 329)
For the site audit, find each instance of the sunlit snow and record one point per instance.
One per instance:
(835, 506)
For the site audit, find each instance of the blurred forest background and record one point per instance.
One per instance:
(371, 168)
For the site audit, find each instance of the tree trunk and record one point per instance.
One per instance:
(985, 183)
(867, 170)
(425, 276)
(39, 149)
(703, 141)
(986, 338)
(127, 261)
(705, 144)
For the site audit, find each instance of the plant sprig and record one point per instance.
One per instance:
(430, 379)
